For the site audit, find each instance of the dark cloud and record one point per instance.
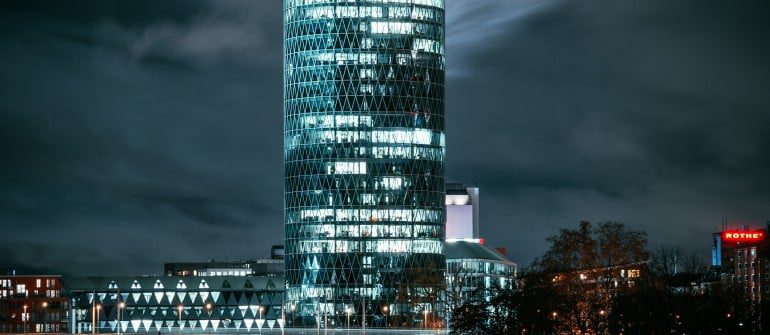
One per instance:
(649, 113)
(140, 132)
(131, 138)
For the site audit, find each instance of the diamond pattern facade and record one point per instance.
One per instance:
(364, 160)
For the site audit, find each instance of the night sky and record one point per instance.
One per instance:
(134, 133)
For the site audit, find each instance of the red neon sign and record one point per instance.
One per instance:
(743, 236)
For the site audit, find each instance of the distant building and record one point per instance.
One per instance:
(462, 211)
(473, 270)
(32, 304)
(742, 256)
(476, 269)
(175, 304)
(259, 267)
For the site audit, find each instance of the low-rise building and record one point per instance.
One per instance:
(474, 268)
(32, 304)
(176, 304)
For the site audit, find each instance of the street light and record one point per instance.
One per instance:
(425, 313)
(260, 319)
(179, 309)
(98, 309)
(348, 311)
(25, 317)
(45, 315)
(121, 306)
(209, 307)
(385, 311)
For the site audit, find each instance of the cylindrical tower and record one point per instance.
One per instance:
(363, 161)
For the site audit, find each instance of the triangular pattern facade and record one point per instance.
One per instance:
(151, 305)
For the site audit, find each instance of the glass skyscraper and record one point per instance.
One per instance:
(364, 161)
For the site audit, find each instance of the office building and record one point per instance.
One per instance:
(364, 160)
(32, 304)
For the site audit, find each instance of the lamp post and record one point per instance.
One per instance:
(45, 315)
(260, 319)
(25, 317)
(363, 314)
(425, 318)
(121, 306)
(283, 315)
(348, 311)
(96, 324)
(179, 310)
(385, 312)
(209, 306)
(293, 308)
(318, 319)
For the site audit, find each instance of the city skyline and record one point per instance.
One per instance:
(141, 133)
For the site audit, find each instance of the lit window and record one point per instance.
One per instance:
(346, 168)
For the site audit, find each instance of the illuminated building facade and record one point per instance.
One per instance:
(32, 304)
(742, 255)
(173, 304)
(364, 160)
(476, 271)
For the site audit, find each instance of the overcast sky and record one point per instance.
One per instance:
(134, 133)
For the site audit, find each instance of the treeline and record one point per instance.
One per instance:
(601, 279)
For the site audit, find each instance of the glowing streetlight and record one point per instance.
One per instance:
(25, 317)
(260, 318)
(385, 311)
(348, 311)
(121, 306)
(602, 312)
(96, 324)
(179, 309)
(45, 315)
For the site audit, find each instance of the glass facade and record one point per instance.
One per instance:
(363, 160)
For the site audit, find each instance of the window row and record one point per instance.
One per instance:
(358, 11)
(363, 27)
(389, 152)
(364, 44)
(431, 3)
(381, 246)
(371, 215)
(414, 136)
(414, 58)
(338, 75)
(363, 184)
(366, 231)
